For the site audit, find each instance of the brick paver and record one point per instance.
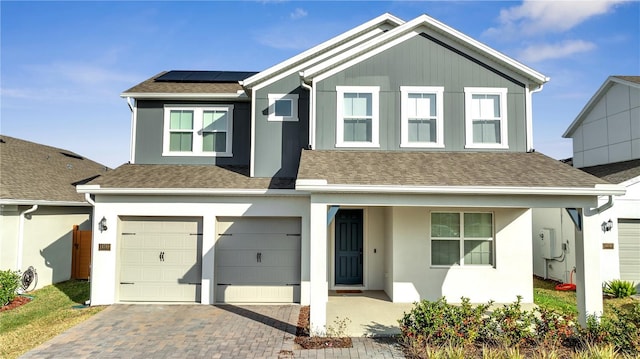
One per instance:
(202, 331)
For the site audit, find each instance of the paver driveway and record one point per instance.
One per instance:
(203, 331)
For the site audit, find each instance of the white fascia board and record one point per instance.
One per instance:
(432, 24)
(186, 96)
(598, 190)
(317, 50)
(30, 202)
(630, 182)
(592, 101)
(194, 191)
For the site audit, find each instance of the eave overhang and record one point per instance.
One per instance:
(96, 189)
(239, 96)
(30, 202)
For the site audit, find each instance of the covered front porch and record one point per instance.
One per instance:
(462, 228)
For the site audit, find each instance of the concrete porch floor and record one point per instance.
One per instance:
(371, 313)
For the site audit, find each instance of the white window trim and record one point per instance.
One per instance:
(404, 124)
(197, 131)
(504, 138)
(375, 119)
(461, 240)
(272, 107)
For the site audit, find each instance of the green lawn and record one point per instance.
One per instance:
(545, 296)
(50, 313)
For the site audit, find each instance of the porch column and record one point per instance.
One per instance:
(318, 269)
(588, 276)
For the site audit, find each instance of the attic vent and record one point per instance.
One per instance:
(72, 155)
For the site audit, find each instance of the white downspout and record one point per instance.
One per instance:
(21, 235)
(132, 108)
(311, 112)
(529, 116)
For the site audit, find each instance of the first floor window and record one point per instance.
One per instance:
(357, 116)
(486, 117)
(198, 131)
(421, 116)
(461, 238)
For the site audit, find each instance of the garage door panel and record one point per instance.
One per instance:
(258, 260)
(629, 249)
(160, 259)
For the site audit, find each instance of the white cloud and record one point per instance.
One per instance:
(536, 17)
(298, 13)
(541, 52)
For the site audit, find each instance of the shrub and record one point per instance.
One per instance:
(619, 288)
(553, 329)
(9, 282)
(622, 330)
(509, 325)
(441, 324)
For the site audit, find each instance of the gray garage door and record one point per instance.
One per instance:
(629, 247)
(160, 259)
(258, 260)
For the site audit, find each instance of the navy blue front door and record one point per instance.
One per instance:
(349, 235)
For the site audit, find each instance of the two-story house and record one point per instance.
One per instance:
(606, 144)
(397, 156)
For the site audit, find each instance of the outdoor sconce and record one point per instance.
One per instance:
(606, 226)
(102, 225)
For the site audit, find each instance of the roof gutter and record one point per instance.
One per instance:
(598, 190)
(93, 189)
(26, 202)
(238, 96)
(24, 214)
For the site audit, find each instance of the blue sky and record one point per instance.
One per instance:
(64, 64)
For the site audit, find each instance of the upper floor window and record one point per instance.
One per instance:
(421, 116)
(357, 116)
(486, 117)
(198, 130)
(283, 107)
(461, 238)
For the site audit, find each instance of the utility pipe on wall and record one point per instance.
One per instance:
(311, 113)
(21, 235)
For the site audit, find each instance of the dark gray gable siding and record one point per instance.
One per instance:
(420, 61)
(278, 144)
(150, 127)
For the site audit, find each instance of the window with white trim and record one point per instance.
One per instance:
(357, 116)
(421, 116)
(198, 130)
(486, 117)
(283, 107)
(462, 238)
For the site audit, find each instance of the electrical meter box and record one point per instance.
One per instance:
(547, 237)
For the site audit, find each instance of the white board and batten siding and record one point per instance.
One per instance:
(629, 249)
(160, 259)
(257, 260)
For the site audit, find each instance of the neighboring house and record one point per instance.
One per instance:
(606, 144)
(39, 207)
(396, 156)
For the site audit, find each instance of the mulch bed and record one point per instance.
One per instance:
(17, 301)
(306, 342)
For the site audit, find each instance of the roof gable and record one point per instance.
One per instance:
(35, 172)
(326, 49)
(631, 81)
(423, 23)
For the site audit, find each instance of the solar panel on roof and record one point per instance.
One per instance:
(204, 76)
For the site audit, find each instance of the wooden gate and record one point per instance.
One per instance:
(81, 254)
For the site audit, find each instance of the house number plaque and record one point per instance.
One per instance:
(104, 246)
(607, 245)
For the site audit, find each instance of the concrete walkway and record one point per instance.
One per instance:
(197, 331)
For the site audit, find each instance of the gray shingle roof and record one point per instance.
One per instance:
(616, 172)
(188, 176)
(151, 86)
(31, 171)
(508, 169)
(635, 79)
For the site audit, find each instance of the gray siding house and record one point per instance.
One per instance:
(394, 158)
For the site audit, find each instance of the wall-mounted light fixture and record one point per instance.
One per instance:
(102, 225)
(606, 226)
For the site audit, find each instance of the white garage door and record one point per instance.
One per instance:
(160, 259)
(629, 247)
(258, 260)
